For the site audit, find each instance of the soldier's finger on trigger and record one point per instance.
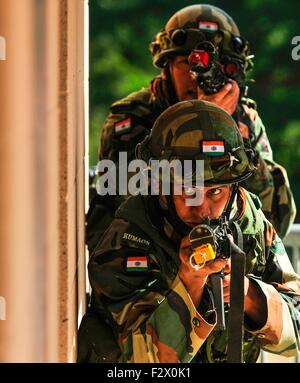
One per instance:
(226, 281)
(227, 267)
(226, 290)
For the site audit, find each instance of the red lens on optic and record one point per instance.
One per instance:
(199, 57)
(230, 69)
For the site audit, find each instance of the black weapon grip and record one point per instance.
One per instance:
(236, 311)
(216, 281)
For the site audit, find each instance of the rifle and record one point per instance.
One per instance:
(210, 241)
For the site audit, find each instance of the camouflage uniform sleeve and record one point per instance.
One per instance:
(121, 133)
(281, 288)
(154, 318)
(127, 124)
(258, 134)
(261, 182)
(270, 181)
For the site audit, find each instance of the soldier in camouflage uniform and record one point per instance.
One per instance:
(131, 119)
(156, 307)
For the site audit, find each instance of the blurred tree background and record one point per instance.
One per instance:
(120, 62)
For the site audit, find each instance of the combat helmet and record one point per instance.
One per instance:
(194, 24)
(199, 130)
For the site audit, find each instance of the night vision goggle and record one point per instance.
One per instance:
(214, 57)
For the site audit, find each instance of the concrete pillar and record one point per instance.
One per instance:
(42, 177)
(73, 163)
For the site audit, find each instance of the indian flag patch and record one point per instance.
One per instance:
(213, 148)
(208, 26)
(137, 263)
(123, 126)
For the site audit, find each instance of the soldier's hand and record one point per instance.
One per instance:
(227, 97)
(195, 280)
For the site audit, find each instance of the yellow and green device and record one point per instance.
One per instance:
(202, 243)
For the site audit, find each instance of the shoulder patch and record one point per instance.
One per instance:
(135, 240)
(123, 126)
(137, 263)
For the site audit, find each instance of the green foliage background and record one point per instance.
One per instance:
(120, 62)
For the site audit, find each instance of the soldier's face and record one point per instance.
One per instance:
(184, 83)
(213, 202)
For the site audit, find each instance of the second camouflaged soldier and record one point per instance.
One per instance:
(156, 307)
(131, 119)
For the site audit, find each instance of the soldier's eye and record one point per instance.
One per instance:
(183, 62)
(215, 191)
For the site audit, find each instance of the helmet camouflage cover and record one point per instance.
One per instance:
(200, 130)
(192, 25)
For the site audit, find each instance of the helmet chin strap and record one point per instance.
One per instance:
(179, 225)
(227, 210)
